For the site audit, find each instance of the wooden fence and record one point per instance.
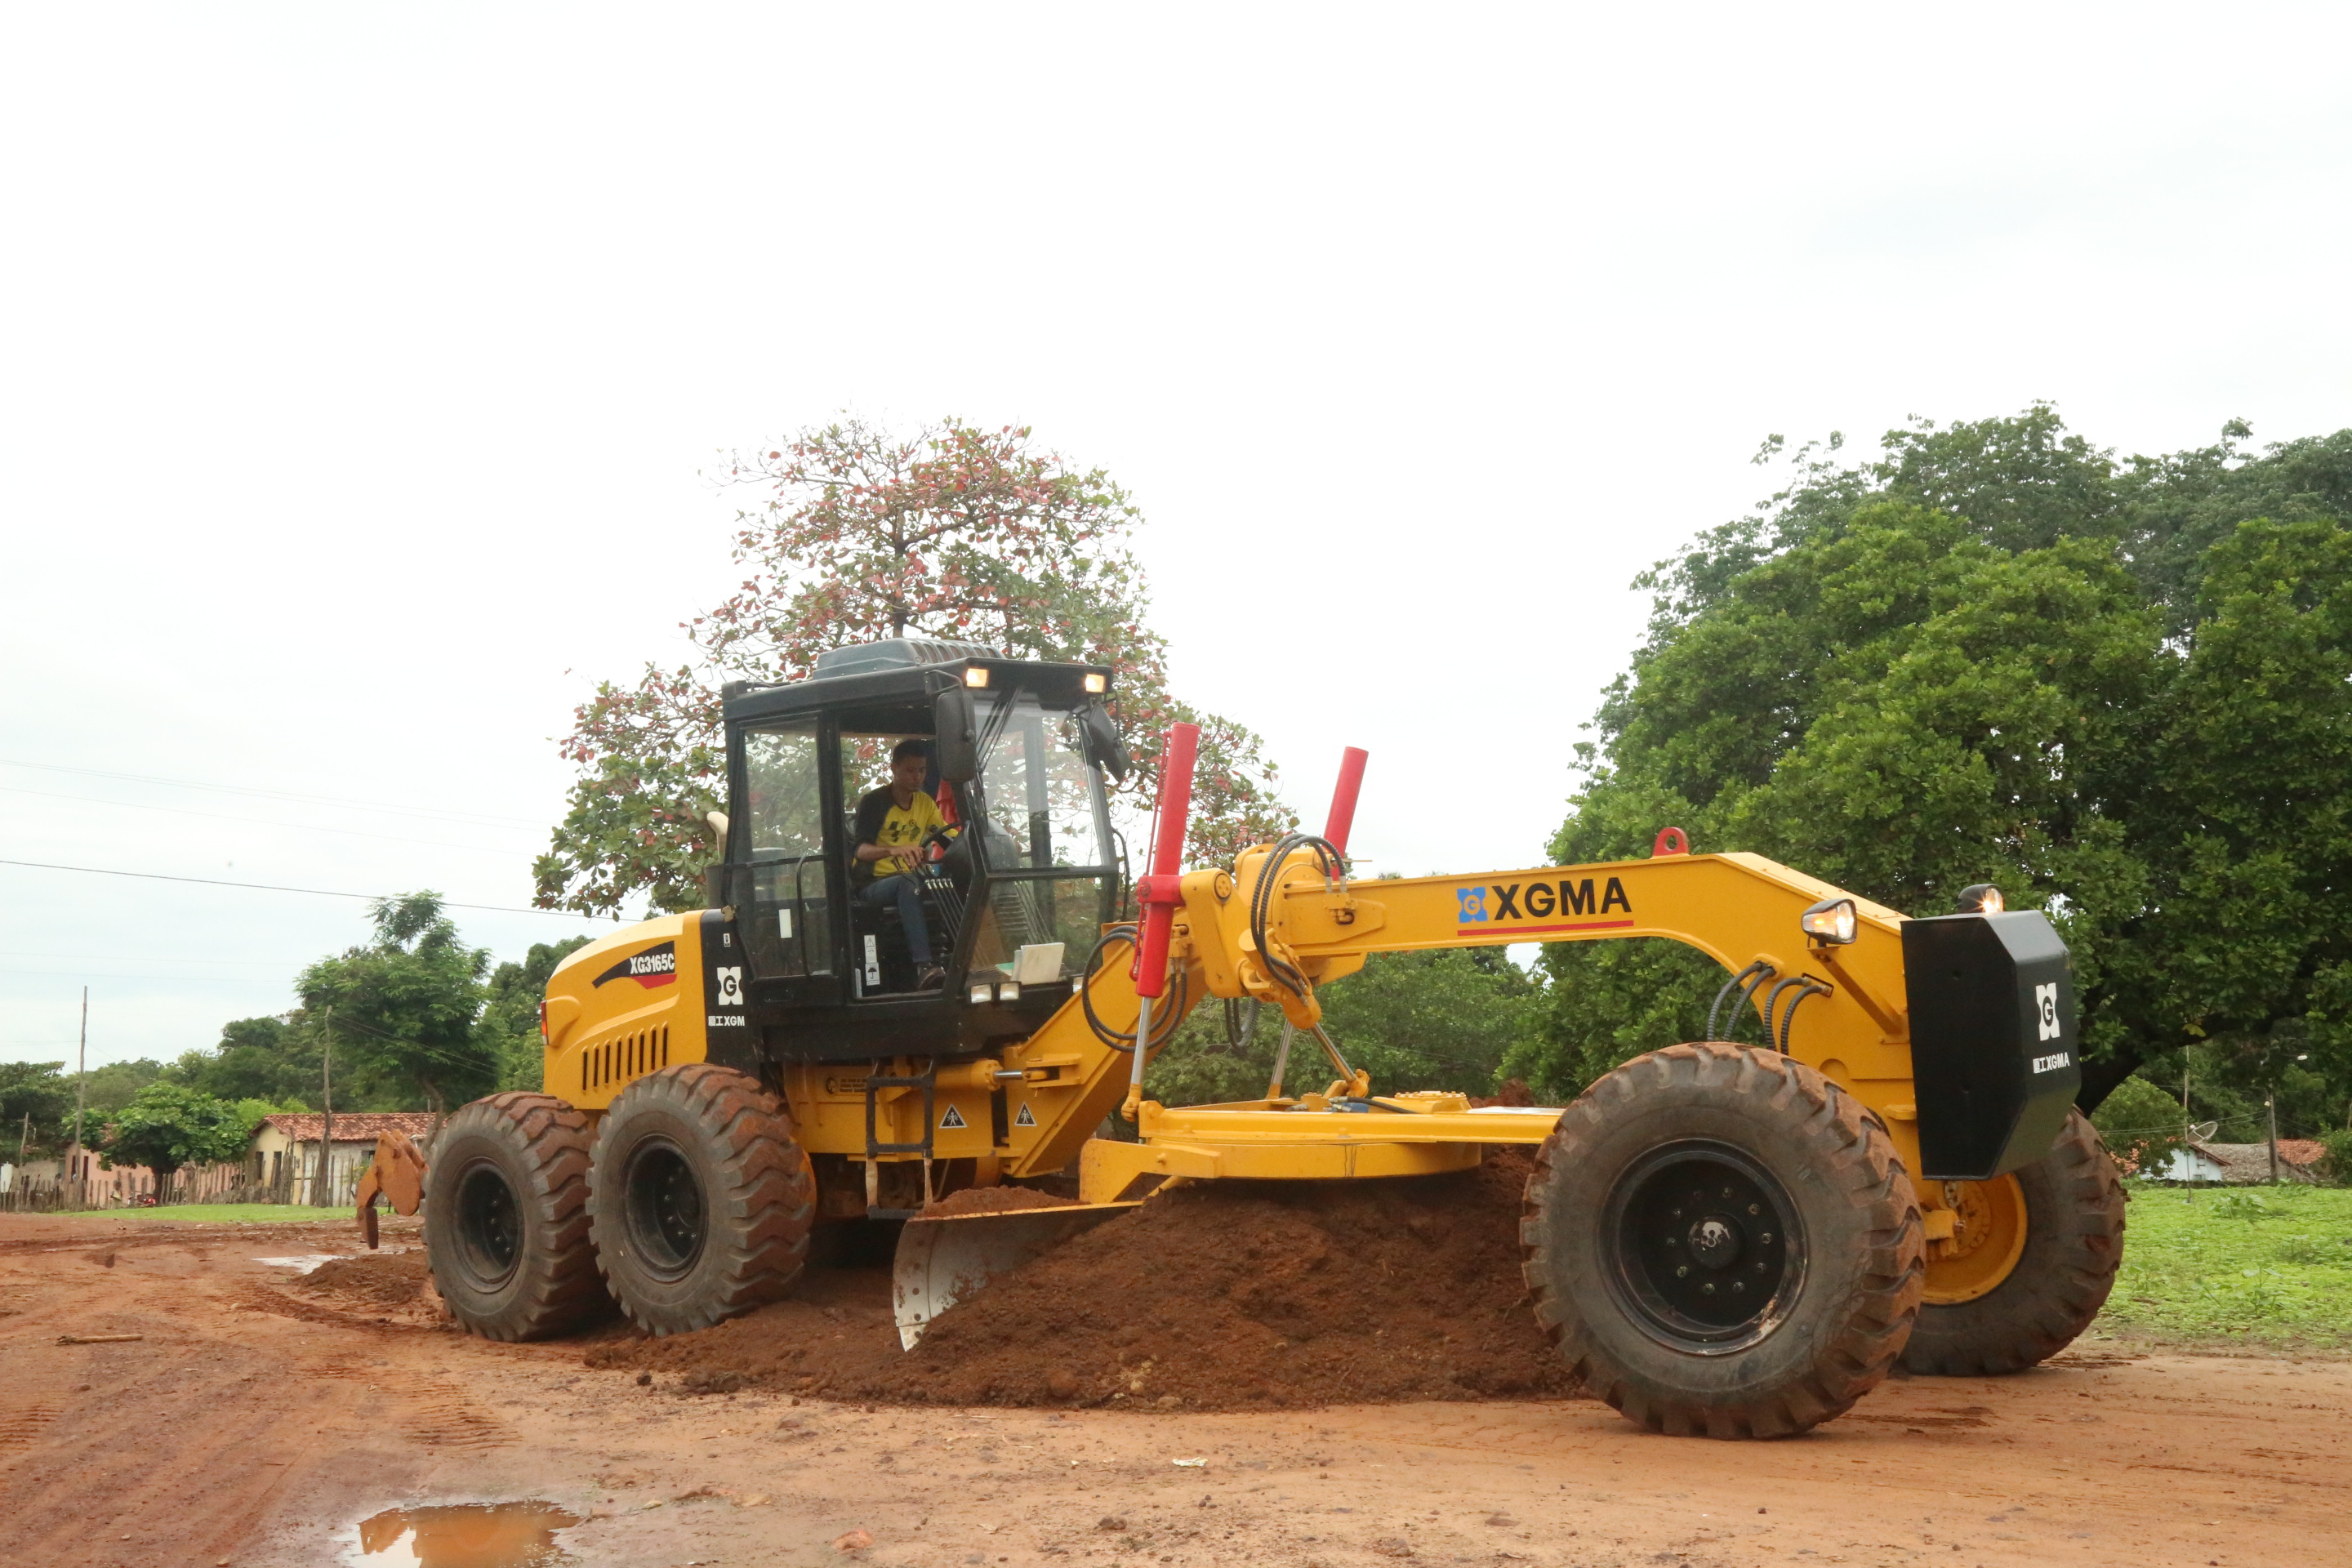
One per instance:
(226, 1183)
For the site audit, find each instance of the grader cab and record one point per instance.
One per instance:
(1719, 1238)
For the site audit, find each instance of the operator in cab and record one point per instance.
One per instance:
(892, 823)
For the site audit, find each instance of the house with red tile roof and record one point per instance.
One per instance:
(284, 1147)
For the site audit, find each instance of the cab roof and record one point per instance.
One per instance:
(904, 670)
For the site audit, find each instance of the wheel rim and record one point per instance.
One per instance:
(1986, 1242)
(489, 1225)
(664, 1208)
(1702, 1247)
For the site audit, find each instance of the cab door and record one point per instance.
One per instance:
(778, 873)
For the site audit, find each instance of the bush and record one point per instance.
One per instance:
(2336, 1165)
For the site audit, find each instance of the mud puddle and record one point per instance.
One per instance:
(465, 1535)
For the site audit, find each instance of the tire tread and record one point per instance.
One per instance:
(2048, 1302)
(550, 1139)
(761, 1216)
(1861, 1157)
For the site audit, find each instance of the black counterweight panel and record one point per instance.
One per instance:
(1992, 1040)
(725, 1006)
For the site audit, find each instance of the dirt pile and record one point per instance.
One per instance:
(1226, 1296)
(378, 1280)
(994, 1200)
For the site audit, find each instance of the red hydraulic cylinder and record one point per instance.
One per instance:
(1342, 820)
(1160, 892)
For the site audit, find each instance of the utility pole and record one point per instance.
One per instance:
(2272, 1099)
(24, 1138)
(323, 1194)
(81, 1087)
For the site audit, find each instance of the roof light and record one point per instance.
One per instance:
(1009, 991)
(981, 996)
(975, 675)
(1832, 920)
(1982, 899)
(1095, 681)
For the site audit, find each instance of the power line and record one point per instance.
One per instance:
(281, 795)
(257, 821)
(274, 888)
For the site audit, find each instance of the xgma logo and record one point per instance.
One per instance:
(1540, 900)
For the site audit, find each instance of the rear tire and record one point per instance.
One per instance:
(2074, 1243)
(1722, 1242)
(702, 1199)
(506, 1217)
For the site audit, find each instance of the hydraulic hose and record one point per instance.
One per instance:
(1262, 901)
(1772, 1004)
(1163, 1031)
(1756, 972)
(1809, 987)
(1805, 985)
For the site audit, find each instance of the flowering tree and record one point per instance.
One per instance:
(951, 533)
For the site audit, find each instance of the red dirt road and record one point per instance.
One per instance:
(255, 1423)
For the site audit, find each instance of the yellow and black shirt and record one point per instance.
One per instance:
(881, 820)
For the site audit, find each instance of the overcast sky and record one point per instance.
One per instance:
(361, 368)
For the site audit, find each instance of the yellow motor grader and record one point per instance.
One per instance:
(1719, 1238)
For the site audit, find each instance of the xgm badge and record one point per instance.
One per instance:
(731, 988)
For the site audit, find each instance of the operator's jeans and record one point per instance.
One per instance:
(900, 889)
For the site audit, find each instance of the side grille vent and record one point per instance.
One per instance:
(624, 1057)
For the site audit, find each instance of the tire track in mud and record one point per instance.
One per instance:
(21, 1425)
(432, 1410)
(445, 1417)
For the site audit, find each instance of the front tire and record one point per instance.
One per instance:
(702, 1199)
(506, 1217)
(2052, 1237)
(1722, 1242)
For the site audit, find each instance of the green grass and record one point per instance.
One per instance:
(240, 1213)
(2257, 1266)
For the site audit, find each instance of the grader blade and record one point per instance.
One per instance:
(942, 1261)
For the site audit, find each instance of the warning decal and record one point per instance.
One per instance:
(1023, 1119)
(954, 1118)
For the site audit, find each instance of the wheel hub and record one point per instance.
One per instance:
(1715, 1241)
(1702, 1247)
(664, 1208)
(489, 1227)
(1988, 1239)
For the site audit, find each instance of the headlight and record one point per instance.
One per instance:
(1983, 898)
(981, 996)
(1831, 921)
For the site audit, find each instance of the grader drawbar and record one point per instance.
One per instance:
(1719, 1238)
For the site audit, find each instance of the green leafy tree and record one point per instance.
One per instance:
(952, 532)
(510, 1021)
(36, 1107)
(2113, 688)
(257, 1058)
(2141, 1125)
(168, 1125)
(1413, 1020)
(405, 1005)
(106, 1090)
